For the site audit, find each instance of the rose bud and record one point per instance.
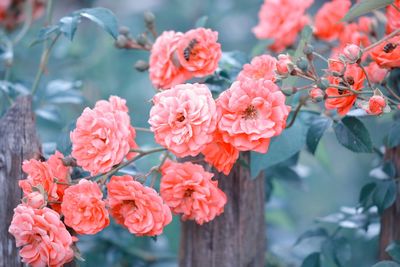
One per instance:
(376, 105)
(316, 95)
(352, 53)
(284, 65)
(35, 200)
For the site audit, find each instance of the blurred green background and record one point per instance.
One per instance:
(93, 67)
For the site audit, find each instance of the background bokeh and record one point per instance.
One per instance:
(94, 67)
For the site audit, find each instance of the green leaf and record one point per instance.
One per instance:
(68, 26)
(45, 34)
(281, 148)
(384, 194)
(306, 35)
(102, 17)
(393, 137)
(318, 232)
(201, 22)
(364, 7)
(386, 264)
(312, 260)
(394, 250)
(366, 195)
(316, 131)
(352, 134)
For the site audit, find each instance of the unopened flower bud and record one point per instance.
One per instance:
(323, 83)
(316, 95)
(352, 53)
(121, 41)
(124, 30)
(288, 91)
(142, 39)
(141, 65)
(69, 161)
(302, 64)
(35, 200)
(284, 65)
(376, 105)
(149, 18)
(308, 49)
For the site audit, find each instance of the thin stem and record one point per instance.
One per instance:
(305, 77)
(320, 56)
(396, 32)
(28, 12)
(391, 92)
(366, 75)
(142, 129)
(296, 112)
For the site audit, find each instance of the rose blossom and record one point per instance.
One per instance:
(393, 17)
(251, 113)
(353, 76)
(281, 20)
(188, 189)
(102, 136)
(327, 20)
(44, 174)
(260, 67)
(375, 73)
(137, 207)
(387, 54)
(164, 71)
(43, 237)
(376, 105)
(184, 118)
(220, 154)
(83, 208)
(199, 52)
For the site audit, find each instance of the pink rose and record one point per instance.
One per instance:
(188, 190)
(375, 73)
(260, 67)
(376, 105)
(184, 118)
(393, 17)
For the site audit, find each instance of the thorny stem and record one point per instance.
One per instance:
(396, 32)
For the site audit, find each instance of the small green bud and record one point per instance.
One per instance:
(142, 40)
(124, 30)
(121, 41)
(308, 49)
(302, 64)
(288, 91)
(323, 83)
(149, 18)
(141, 65)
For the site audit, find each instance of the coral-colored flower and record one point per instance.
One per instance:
(199, 52)
(102, 136)
(132, 144)
(376, 105)
(184, 118)
(35, 200)
(393, 17)
(83, 208)
(188, 189)
(251, 113)
(12, 12)
(375, 73)
(387, 54)
(165, 70)
(260, 67)
(220, 154)
(137, 207)
(43, 237)
(284, 65)
(327, 20)
(353, 77)
(45, 174)
(281, 20)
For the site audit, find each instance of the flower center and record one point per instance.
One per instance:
(250, 113)
(389, 47)
(180, 117)
(188, 51)
(188, 193)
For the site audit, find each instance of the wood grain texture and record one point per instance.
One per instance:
(236, 237)
(390, 220)
(18, 141)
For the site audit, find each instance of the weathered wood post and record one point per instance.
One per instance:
(390, 220)
(18, 141)
(236, 237)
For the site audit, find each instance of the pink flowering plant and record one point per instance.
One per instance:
(210, 109)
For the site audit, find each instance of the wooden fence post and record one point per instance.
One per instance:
(390, 220)
(236, 237)
(18, 141)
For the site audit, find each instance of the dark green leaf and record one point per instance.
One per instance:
(312, 260)
(318, 232)
(103, 17)
(366, 195)
(386, 264)
(384, 194)
(316, 131)
(284, 173)
(389, 168)
(352, 134)
(45, 34)
(364, 7)
(68, 26)
(394, 250)
(201, 22)
(393, 137)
